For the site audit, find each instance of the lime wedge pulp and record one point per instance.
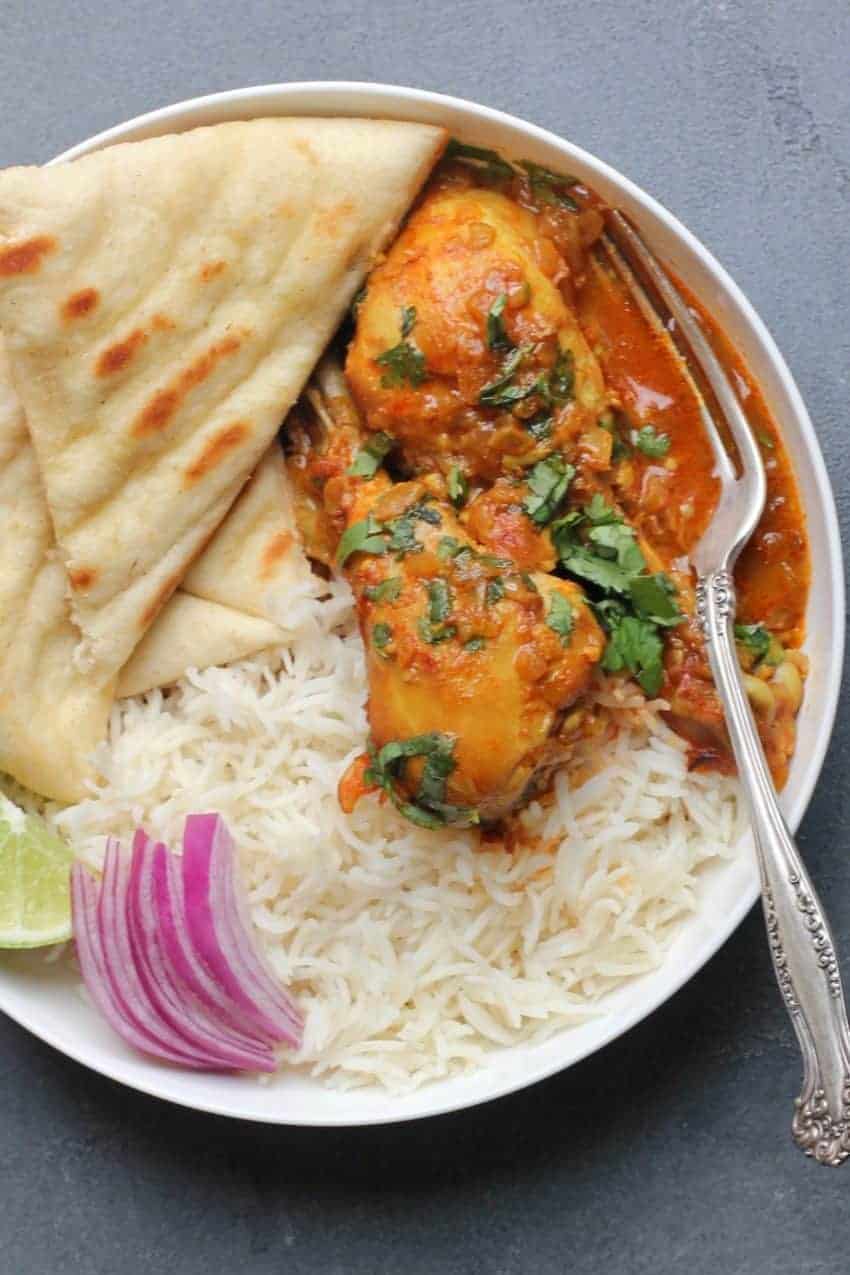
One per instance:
(35, 865)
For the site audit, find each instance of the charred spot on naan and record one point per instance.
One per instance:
(81, 578)
(274, 552)
(211, 270)
(116, 357)
(304, 148)
(215, 449)
(25, 257)
(159, 411)
(79, 304)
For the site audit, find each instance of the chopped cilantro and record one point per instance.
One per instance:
(439, 600)
(548, 481)
(365, 536)
(368, 460)
(499, 392)
(488, 162)
(547, 187)
(599, 511)
(458, 487)
(634, 644)
(434, 633)
(382, 635)
(651, 443)
(560, 617)
(430, 809)
(497, 337)
(404, 362)
(616, 541)
(401, 529)
(495, 591)
(761, 642)
(387, 591)
(475, 644)
(654, 598)
(449, 547)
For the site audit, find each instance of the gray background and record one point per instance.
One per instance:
(668, 1151)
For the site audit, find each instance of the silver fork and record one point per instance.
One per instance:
(798, 932)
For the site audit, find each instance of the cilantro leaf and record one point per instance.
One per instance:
(616, 540)
(547, 187)
(366, 536)
(499, 392)
(548, 481)
(634, 644)
(764, 646)
(382, 635)
(439, 600)
(489, 162)
(599, 511)
(539, 426)
(402, 531)
(604, 572)
(475, 644)
(430, 809)
(368, 460)
(497, 337)
(560, 617)
(495, 591)
(654, 598)
(435, 633)
(404, 362)
(458, 487)
(449, 547)
(387, 591)
(651, 443)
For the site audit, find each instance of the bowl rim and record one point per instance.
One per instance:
(343, 97)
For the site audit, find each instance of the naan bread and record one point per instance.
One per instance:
(255, 557)
(193, 633)
(163, 303)
(51, 715)
(224, 607)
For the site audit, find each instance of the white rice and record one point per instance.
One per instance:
(414, 953)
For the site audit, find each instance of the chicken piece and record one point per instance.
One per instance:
(465, 350)
(469, 659)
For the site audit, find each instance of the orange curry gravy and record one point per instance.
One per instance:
(676, 496)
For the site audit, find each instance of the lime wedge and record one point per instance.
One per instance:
(35, 865)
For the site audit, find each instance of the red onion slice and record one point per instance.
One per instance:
(178, 1008)
(119, 963)
(220, 935)
(84, 896)
(169, 960)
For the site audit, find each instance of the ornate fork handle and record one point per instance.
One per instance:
(800, 940)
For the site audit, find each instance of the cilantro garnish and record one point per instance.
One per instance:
(500, 392)
(497, 337)
(547, 187)
(433, 628)
(430, 809)
(560, 617)
(369, 458)
(475, 644)
(652, 443)
(458, 487)
(764, 646)
(382, 635)
(654, 598)
(387, 591)
(366, 536)
(404, 362)
(495, 591)
(488, 162)
(634, 644)
(608, 422)
(548, 481)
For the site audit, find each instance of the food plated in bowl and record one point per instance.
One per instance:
(419, 952)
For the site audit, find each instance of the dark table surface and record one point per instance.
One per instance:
(669, 1150)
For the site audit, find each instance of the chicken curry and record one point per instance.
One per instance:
(511, 472)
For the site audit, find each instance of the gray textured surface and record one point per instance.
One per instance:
(668, 1151)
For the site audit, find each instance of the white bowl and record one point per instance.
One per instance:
(43, 997)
